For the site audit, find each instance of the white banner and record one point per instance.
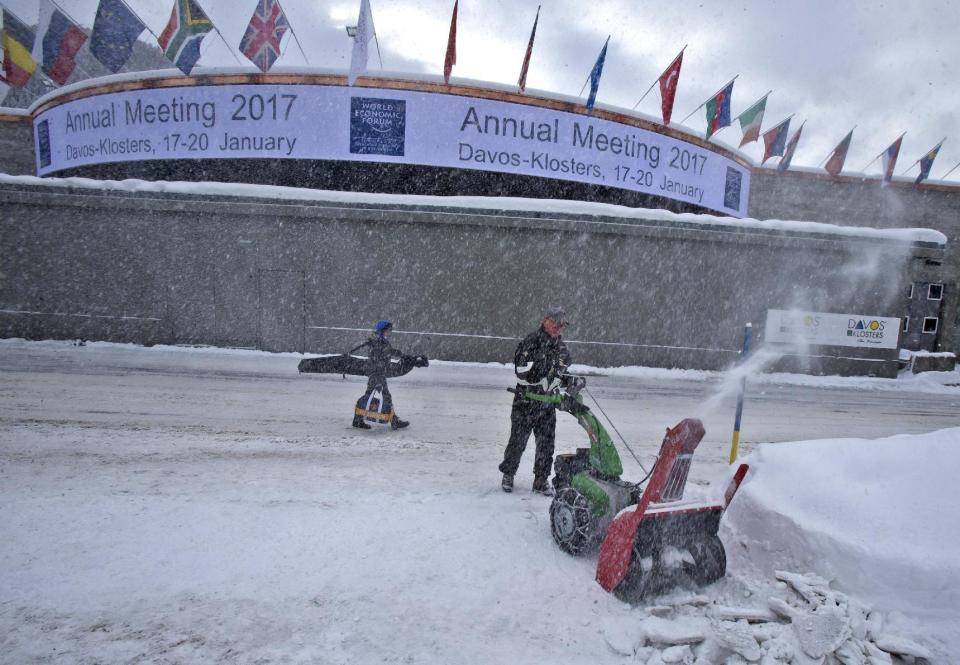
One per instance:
(794, 327)
(393, 126)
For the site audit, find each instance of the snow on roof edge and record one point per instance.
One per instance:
(283, 193)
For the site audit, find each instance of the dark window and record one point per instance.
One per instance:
(906, 324)
(910, 292)
(935, 292)
(929, 324)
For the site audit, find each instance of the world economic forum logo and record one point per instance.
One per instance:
(377, 126)
(43, 143)
(731, 189)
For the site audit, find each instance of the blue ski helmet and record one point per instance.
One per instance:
(383, 325)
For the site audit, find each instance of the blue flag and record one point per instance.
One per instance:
(595, 78)
(115, 29)
(926, 162)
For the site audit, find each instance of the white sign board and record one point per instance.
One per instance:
(394, 126)
(795, 327)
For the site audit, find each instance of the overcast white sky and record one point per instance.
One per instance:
(886, 67)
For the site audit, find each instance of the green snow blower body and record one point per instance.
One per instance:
(650, 539)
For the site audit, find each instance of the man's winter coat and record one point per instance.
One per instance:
(378, 358)
(540, 361)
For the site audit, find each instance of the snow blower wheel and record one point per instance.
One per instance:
(640, 580)
(710, 560)
(570, 522)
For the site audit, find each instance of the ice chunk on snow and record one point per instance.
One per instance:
(688, 630)
(737, 637)
(901, 646)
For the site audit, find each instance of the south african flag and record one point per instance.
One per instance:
(180, 40)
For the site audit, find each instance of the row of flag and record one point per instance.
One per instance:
(117, 27)
(775, 141)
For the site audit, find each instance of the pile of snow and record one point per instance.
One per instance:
(866, 521)
(802, 620)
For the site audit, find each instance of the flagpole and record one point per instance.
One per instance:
(527, 54)
(659, 77)
(375, 41)
(591, 71)
(881, 153)
(142, 22)
(297, 40)
(760, 99)
(709, 98)
(950, 171)
(780, 123)
(835, 149)
(224, 39)
(936, 147)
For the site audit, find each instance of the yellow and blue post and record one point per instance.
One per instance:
(748, 329)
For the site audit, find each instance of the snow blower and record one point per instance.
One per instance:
(650, 539)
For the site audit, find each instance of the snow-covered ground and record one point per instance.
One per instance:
(207, 505)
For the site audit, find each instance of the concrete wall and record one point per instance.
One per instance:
(850, 201)
(16, 143)
(460, 284)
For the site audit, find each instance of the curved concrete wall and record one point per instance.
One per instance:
(462, 284)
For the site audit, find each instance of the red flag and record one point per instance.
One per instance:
(526, 58)
(835, 163)
(774, 140)
(668, 87)
(451, 59)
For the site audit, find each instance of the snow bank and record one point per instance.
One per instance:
(876, 517)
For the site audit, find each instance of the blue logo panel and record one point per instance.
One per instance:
(731, 191)
(377, 126)
(43, 143)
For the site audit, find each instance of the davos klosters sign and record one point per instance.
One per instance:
(330, 122)
(819, 328)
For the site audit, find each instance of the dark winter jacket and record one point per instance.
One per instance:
(540, 360)
(378, 358)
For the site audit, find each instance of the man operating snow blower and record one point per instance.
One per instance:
(540, 363)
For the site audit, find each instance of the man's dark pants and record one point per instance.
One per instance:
(530, 416)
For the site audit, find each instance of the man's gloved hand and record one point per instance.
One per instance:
(573, 383)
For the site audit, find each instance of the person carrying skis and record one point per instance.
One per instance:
(540, 363)
(376, 403)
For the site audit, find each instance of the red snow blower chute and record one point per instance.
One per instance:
(649, 540)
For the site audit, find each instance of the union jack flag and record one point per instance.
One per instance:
(261, 41)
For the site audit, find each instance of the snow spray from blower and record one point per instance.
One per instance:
(735, 380)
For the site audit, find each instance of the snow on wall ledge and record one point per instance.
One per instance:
(909, 235)
(877, 517)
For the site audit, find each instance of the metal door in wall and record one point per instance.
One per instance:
(281, 324)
